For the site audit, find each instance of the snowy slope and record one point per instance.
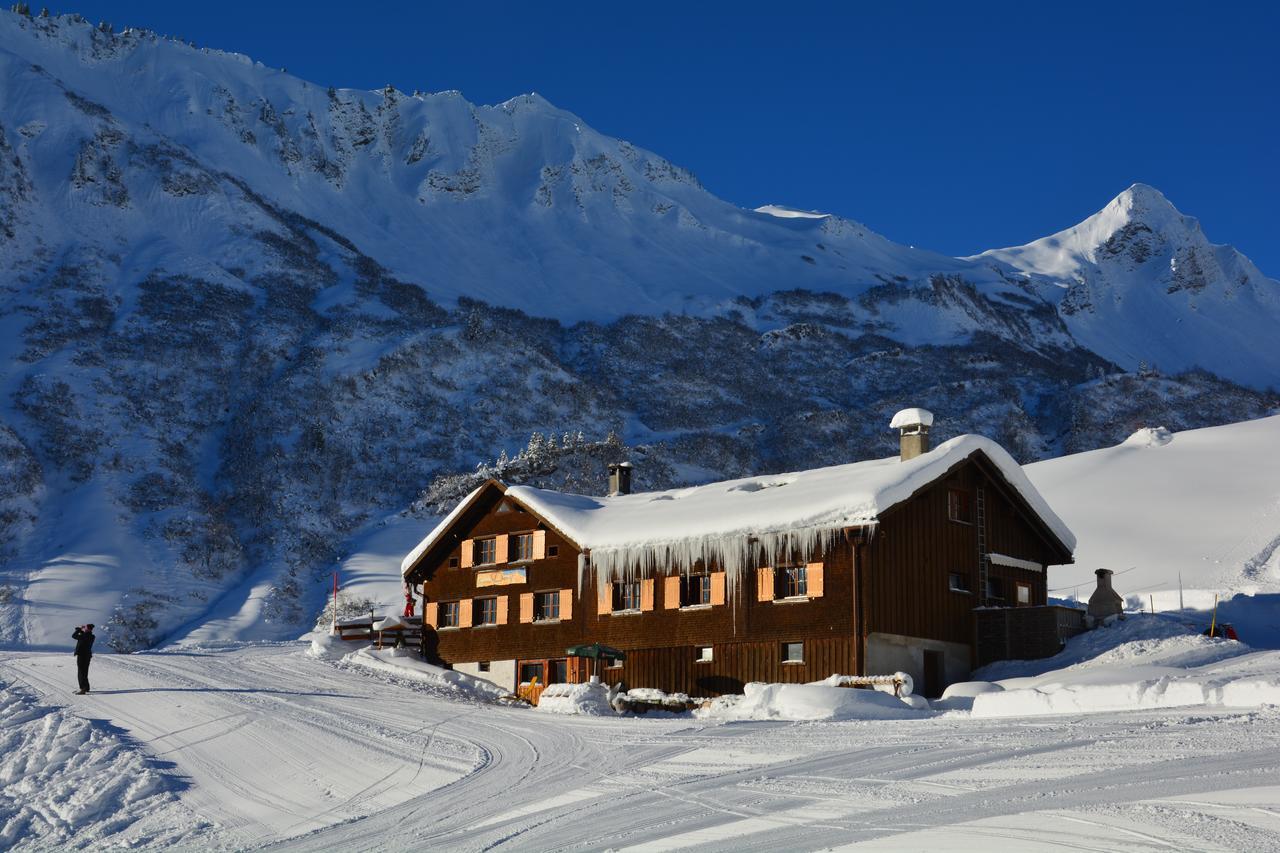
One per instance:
(1139, 281)
(1201, 505)
(244, 318)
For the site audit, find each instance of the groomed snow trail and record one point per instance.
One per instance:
(283, 750)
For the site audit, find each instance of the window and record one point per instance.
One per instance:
(1024, 594)
(553, 550)
(995, 589)
(546, 606)
(453, 562)
(695, 590)
(530, 671)
(448, 615)
(522, 547)
(703, 654)
(958, 582)
(959, 506)
(483, 666)
(791, 582)
(486, 611)
(486, 551)
(557, 671)
(793, 652)
(611, 663)
(626, 596)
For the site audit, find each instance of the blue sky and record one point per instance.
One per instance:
(950, 126)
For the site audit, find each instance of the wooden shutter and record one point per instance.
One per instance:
(671, 592)
(604, 599)
(539, 544)
(646, 594)
(717, 587)
(764, 584)
(429, 616)
(566, 604)
(526, 607)
(813, 579)
(502, 609)
(468, 553)
(500, 549)
(464, 613)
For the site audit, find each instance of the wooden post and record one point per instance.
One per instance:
(334, 629)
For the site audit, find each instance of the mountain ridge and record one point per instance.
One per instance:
(246, 317)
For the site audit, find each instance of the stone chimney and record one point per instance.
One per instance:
(1105, 601)
(913, 427)
(619, 478)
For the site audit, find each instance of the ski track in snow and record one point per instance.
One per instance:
(283, 750)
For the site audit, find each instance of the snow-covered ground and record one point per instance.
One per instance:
(1200, 509)
(273, 745)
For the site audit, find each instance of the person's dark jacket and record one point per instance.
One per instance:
(84, 642)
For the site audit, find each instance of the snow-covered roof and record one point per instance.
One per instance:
(776, 516)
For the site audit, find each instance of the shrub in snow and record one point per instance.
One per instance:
(349, 607)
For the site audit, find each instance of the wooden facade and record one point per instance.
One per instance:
(902, 586)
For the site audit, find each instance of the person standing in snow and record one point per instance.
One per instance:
(84, 651)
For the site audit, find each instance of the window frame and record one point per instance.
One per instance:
(515, 547)
(959, 505)
(964, 580)
(792, 581)
(700, 657)
(787, 646)
(480, 546)
(447, 609)
(540, 609)
(703, 596)
(1019, 587)
(619, 596)
(994, 590)
(478, 611)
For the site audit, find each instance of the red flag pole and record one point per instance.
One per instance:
(335, 602)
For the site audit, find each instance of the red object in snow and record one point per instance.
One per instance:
(408, 602)
(1230, 632)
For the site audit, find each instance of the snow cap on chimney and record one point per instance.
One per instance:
(913, 426)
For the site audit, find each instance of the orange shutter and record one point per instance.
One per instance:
(502, 609)
(646, 594)
(764, 584)
(813, 579)
(566, 604)
(671, 592)
(526, 607)
(468, 553)
(464, 613)
(539, 544)
(429, 614)
(500, 550)
(604, 599)
(717, 587)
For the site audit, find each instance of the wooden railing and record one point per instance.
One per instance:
(362, 630)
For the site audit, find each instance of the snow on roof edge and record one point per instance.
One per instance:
(438, 531)
(798, 536)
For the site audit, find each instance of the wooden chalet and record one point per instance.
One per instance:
(860, 569)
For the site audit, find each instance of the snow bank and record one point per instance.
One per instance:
(588, 698)
(67, 782)
(402, 663)
(808, 702)
(1164, 692)
(960, 696)
(1140, 663)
